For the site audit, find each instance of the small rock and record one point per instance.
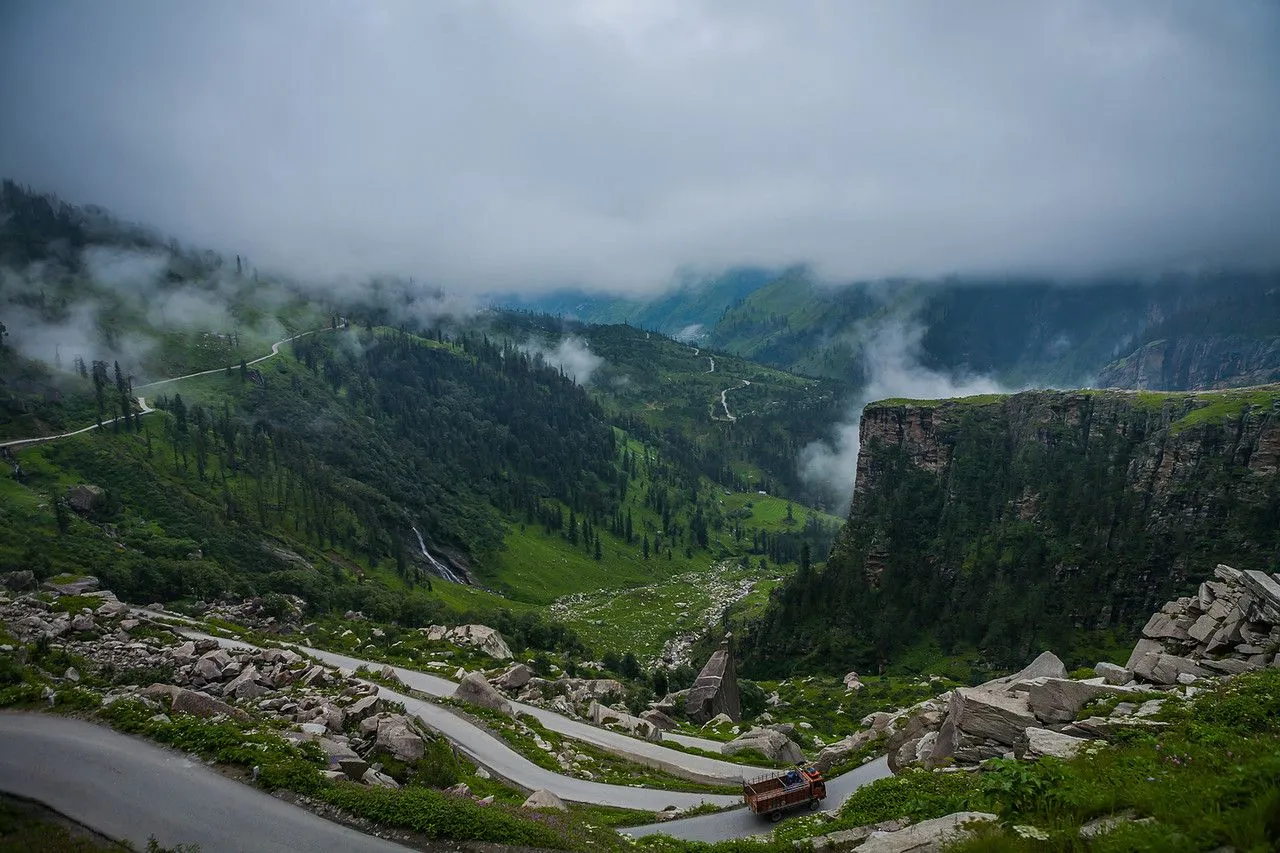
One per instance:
(543, 799)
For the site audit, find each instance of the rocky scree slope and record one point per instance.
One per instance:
(1041, 519)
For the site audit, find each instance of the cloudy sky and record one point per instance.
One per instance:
(615, 143)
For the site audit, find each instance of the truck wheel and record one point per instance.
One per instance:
(774, 817)
(813, 805)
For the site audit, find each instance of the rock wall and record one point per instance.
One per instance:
(1196, 362)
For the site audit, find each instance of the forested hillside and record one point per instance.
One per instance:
(992, 528)
(375, 460)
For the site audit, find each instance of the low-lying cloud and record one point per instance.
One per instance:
(891, 353)
(571, 354)
(612, 144)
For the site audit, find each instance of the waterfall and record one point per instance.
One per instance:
(440, 568)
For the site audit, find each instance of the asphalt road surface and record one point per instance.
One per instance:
(129, 789)
(742, 822)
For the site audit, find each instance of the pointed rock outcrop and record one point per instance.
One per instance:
(716, 689)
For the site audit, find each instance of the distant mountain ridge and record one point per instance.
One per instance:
(1176, 332)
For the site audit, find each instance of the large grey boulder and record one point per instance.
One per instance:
(1113, 674)
(544, 799)
(838, 752)
(515, 678)
(658, 719)
(774, 744)
(991, 715)
(203, 705)
(1162, 626)
(1038, 743)
(363, 707)
(343, 757)
(1165, 668)
(1046, 665)
(482, 637)
(715, 691)
(22, 581)
(474, 689)
(1141, 650)
(245, 685)
(603, 715)
(397, 737)
(1059, 700)
(929, 836)
(84, 498)
(79, 586)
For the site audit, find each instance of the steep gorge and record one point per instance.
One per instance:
(1008, 524)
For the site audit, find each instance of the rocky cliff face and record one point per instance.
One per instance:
(1196, 362)
(1004, 524)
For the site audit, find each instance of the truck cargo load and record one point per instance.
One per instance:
(770, 796)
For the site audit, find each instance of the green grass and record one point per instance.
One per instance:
(1210, 780)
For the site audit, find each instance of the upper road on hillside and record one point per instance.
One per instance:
(143, 408)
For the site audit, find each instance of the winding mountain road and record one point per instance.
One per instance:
(724, 402)
(121, 786)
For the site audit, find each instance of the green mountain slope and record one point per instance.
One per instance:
(315, 471)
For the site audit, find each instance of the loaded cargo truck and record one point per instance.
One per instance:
(770, 796)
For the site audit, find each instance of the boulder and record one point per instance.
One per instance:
(1142, 650)
(1165, 668)
(544, 799)
(1162, 626)
(79, 586)
(515, 678)
(658, 719)
(245, 685)
(482, 637)
(928, 836)
(83, 622)
(203, 705)
(840, 751)
(715, 691)
(207, 669)
(1265, 590)
(343, 757)
(374, 779)
(774, 744)
(1113, 674)
(474, 689)
(990, 715)
(1058, 700)
(397, 737)
(1037, 743)
(84, 498)
(23, 581)
(602, 715)
(1046, 665)
(184, 653)
(362, 707)
(110, 609)
(852, 681)
(718, 720)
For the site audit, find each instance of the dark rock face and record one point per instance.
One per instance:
(716, 689)
(1180, 363)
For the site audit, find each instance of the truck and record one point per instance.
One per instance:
(772, 795)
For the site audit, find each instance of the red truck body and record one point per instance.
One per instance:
(770, 796)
